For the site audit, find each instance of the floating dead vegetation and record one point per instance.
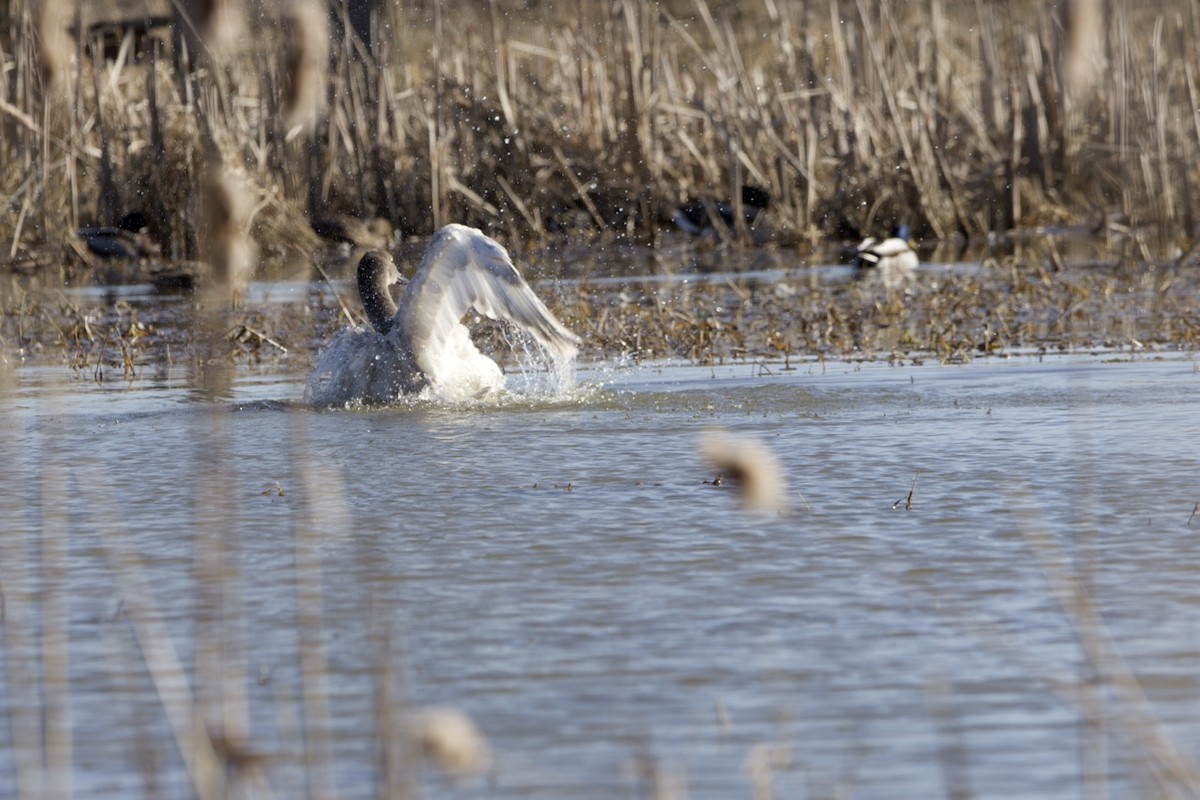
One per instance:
(782, 324)
(906, 502)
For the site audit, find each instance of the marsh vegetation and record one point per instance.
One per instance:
(597, 118)
(211, 599)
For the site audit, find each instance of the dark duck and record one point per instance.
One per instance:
(696, 217)
(129, 240)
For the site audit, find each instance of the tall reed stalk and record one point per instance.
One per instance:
(960, 119)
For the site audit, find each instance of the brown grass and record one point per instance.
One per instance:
(958, 119)
(963, 119)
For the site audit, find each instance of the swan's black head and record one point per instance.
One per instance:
(376, 272)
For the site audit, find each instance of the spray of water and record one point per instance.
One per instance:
(352, 373)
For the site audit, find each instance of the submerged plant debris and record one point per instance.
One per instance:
(776, 319)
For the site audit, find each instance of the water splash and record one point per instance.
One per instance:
(538, 373)
(360, 368)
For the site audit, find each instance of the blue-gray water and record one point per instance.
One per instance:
(562, 572)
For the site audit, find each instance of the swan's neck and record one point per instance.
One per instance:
(373, 290)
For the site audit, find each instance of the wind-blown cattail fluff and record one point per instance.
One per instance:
(751, 466)
(450, 740)
(306, 62)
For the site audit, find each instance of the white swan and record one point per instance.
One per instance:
(422, 344)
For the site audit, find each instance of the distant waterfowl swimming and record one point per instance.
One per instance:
(893, 257)
(130, 239)
(421, 343)
(696, 217)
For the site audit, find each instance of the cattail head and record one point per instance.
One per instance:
(750, 466)
(449, 739)
(306, 62)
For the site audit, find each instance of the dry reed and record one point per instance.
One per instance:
(535, 121)
(852, 114)
(306, 54)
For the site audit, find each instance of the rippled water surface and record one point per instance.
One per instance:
(562, 572)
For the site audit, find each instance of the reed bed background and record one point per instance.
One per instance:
(587, 120)
(534, 119)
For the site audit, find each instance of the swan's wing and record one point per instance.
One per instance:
(463, 269)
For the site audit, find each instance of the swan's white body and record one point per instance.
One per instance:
(421, 344)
